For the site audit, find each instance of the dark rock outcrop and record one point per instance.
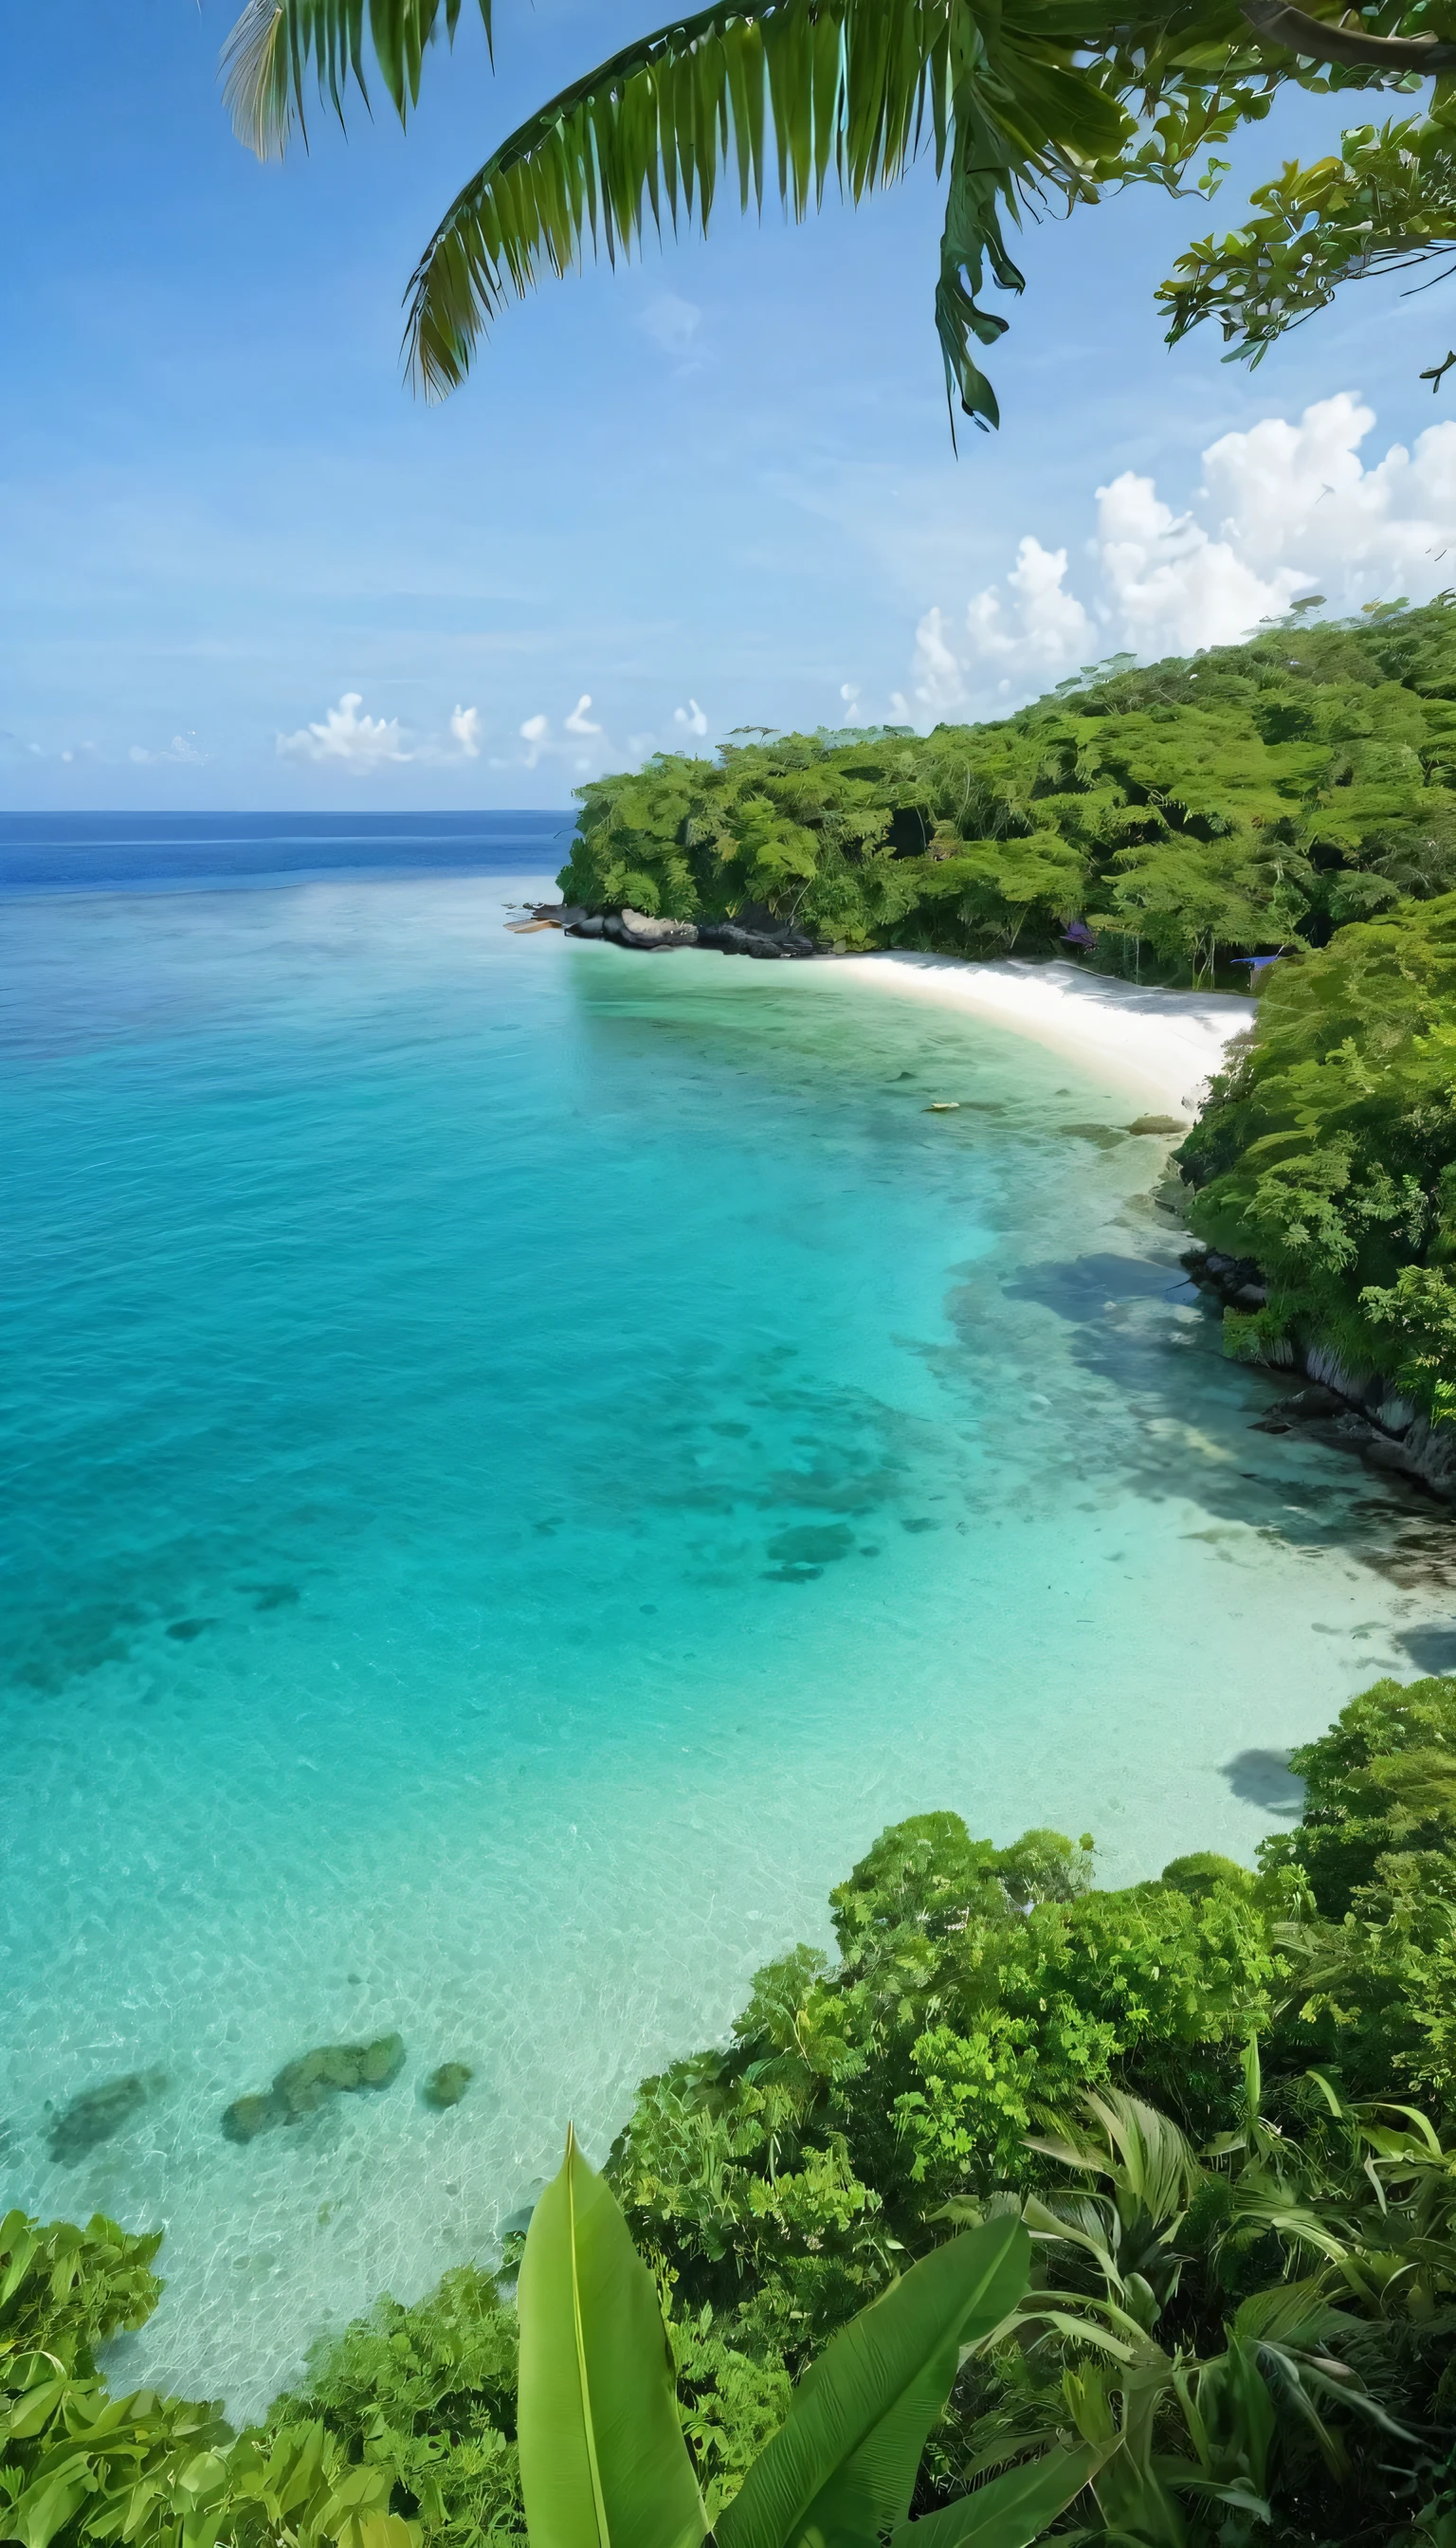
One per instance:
(731, 938)
(649, 936)
(1349, 1411)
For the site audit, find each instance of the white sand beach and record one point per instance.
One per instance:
(1161, 1046)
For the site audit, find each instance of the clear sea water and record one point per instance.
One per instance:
(518, 1461)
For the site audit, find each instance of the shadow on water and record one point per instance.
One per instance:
(1265, 1779)
(1182, 1422)
(1080, 1287)
(1433, 1649)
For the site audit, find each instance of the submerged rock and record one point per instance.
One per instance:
(303, 2086)
(1103, 1136)
(814, 1544)
(246, 2117)
(1158, 1123)
(98, 2113)
(447, 2085)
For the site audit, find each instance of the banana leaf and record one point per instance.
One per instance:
(1013, 2509)
(843, 2466)
(603, 2458)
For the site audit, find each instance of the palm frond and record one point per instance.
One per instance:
(280, 48)
(781, 97)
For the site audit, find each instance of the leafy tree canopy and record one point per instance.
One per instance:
(1328, 1152)
(1253, 796)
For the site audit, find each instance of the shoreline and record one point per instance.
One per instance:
(1159, 1046)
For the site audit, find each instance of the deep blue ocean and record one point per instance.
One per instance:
(519, 1460)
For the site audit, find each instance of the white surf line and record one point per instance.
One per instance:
(1161, 1046)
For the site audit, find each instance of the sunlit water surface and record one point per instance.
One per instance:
(521, 1460)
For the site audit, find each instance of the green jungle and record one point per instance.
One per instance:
(1294, 795)
(1128, 2216)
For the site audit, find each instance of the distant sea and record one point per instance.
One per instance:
(519, 1459)
(89, 852)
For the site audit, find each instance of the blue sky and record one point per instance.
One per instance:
(711, 490)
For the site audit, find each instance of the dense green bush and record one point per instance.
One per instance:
(1328, 1150)
(68, 2289)
(1253, 796)
(428, 2397)
(1177, 2083)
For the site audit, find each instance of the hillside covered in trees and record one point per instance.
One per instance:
(1295, 796)
(1246, 799)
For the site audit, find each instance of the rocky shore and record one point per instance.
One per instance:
(1350, 1410)
(752, 933)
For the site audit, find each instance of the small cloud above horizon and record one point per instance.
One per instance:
(361, 743)
(182, 747)
(670, 323)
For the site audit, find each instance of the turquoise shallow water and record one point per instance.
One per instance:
(519, 1461)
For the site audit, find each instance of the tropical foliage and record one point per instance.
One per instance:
(1328, 1152)
(1129, 2212)
(1385, 203)
(79, 2465)
(1020, 103)
(1253, 796)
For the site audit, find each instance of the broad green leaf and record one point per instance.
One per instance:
(39, 2386)
(1013, 2509)
(845, 2461)
(603, 2459)
(46, 2507)
(387, 2530)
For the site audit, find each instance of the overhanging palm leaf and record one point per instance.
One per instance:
(1022, 100)
(280, 48)
(782, 96)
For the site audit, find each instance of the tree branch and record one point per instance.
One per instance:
(1280, 22)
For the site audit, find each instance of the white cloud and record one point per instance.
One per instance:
(940, 676)
(579, 722)
(363, 744)
(534, 732)
(1284, 509)
(1172, 586)
(850, 693)
(691, 718)
(358, 742)
(183, 746)
(670, 323)
(464, 726)
(1024, 633)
